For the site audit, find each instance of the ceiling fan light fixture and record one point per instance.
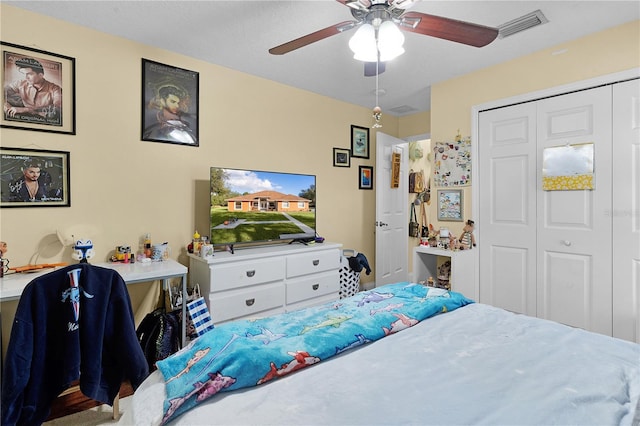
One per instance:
(390, 41)
(363, 44)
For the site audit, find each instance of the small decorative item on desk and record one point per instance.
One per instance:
(122, 254)
(4, 262)
(160, 252)
(147, 246)
(83, 250)
(430, 282)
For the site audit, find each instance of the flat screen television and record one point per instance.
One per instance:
(252, 206)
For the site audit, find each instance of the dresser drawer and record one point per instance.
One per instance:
(313, 286)
(245, 302)
(333, 297)
(309, 263)
(235, 275)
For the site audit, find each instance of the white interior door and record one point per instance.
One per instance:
(507, 210)
(626, 210)
(392, 213)
(574, 255)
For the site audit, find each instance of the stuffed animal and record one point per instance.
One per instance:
(467, 239)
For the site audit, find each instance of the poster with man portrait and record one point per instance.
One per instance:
(169, 104)
(38, 90)
(34, 178)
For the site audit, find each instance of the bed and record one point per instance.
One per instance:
(441, 359)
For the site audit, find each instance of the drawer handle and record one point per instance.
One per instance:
(250, 302)
(315, 286)
(251, 273)
(316, 262)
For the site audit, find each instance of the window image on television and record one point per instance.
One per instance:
(250, 206)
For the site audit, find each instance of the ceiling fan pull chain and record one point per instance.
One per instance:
(377, 111)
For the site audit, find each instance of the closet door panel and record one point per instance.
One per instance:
(626, 210)
(507, 213)
(573, 226)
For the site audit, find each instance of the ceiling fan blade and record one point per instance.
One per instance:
(370, 68)
(449, 29)
(312, 38)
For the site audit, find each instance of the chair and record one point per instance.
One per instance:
(65, 322)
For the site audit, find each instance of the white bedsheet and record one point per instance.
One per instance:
(475, 365)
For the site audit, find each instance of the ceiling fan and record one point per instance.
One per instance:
(375, 12)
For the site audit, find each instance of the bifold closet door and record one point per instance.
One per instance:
(507, 168)
(626, 210)
(574, 238)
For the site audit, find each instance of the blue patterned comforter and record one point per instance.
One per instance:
(248, 353)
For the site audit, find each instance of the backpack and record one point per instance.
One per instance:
(160, 335)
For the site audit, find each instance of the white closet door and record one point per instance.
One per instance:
(626, 210)
(507, 213)
(574, 246)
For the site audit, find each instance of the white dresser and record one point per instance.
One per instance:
(261, 281)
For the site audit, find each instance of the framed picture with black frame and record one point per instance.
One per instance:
(365, 177)
(341, 157)
(34, 178)
(359, 142)
(170, 104)
(39, 90)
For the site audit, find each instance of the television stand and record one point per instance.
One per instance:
(261, 281)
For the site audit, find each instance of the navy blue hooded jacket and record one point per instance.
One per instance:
(53, 343)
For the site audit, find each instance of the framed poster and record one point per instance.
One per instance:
(450, 205)
(341, 157)
(359, 142)
(34, 178)
(39, 90)
(365, 177)
(169, 104)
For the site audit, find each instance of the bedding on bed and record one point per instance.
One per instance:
(248, 353)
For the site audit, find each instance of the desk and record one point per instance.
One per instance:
(11, 285)
(462, 278)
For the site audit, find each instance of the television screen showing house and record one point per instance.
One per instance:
(254, 206)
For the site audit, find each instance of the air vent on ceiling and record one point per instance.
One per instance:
(522, 23)
(402, 110)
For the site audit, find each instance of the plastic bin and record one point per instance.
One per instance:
(349, 279)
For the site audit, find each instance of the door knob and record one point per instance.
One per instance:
(381, 224)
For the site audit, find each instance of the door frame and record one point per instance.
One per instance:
(526, 97)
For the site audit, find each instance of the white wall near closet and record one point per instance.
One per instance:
(550, 254)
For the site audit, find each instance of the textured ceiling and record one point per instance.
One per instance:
(238, 34)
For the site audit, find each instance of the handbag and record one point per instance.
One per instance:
(414, 227)
(424, 231)
(416, 181)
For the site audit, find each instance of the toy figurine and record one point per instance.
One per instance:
(4, 262)
(83, 250)
(467, 239)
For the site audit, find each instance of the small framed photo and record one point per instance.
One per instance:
(170, 104)
(450, 205)
(365, 177)
(39, 90)
(34, 178)
(341, 157)
(359, 142)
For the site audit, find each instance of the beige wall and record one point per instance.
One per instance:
(616, 49)
(122, 187)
